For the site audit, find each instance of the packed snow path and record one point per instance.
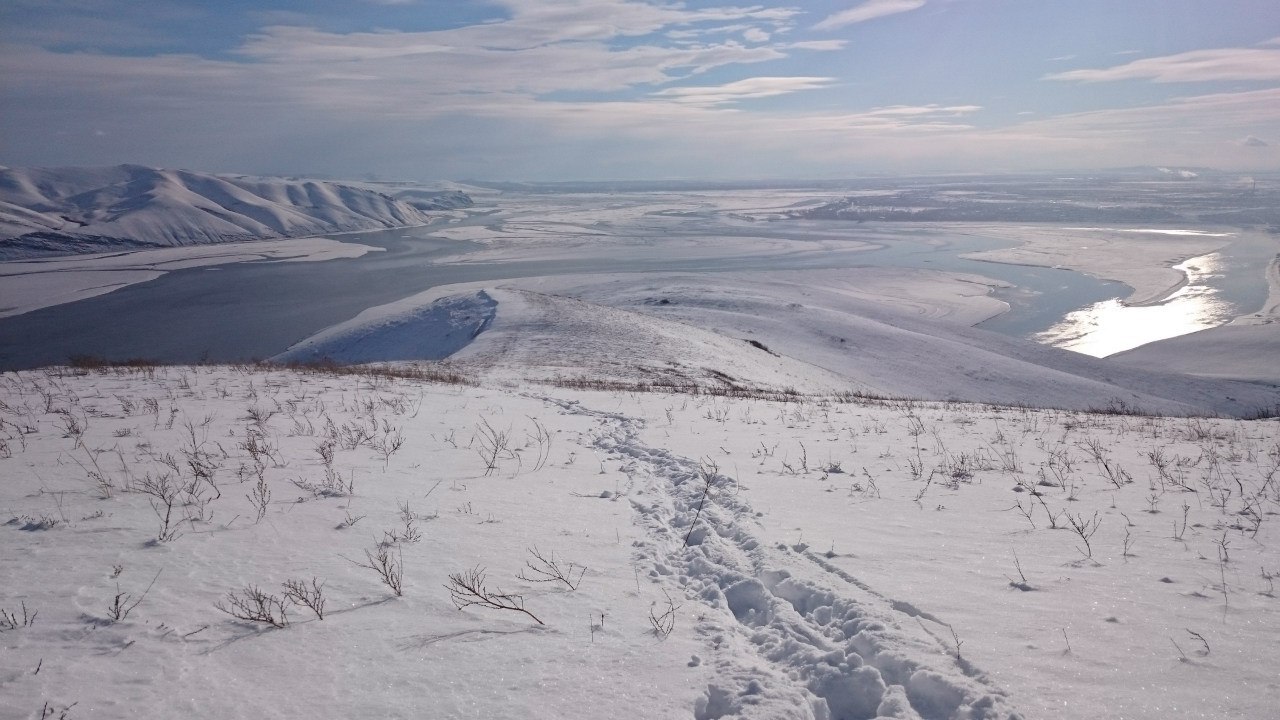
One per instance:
(791, 635)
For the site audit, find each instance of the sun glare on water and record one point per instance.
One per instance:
(1110, 327)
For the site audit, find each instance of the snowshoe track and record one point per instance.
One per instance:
(790, 634)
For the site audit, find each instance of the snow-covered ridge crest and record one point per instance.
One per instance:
(91, 209)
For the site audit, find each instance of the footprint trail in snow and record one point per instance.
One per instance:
(789, 634)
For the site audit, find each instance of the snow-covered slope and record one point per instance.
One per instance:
(736, 558)
(895, 350)
(407, 330)
(813, 332)
(68, 210)
(1246, 349)
(1241, 352)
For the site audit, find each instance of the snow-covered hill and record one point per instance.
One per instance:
(217, 542)
(70, 210)
(871, 331)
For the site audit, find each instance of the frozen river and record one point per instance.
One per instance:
(253, 310)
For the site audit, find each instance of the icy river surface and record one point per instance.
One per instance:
(253, 310)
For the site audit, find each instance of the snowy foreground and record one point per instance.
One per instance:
(641, 554)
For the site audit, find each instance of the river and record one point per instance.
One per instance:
(253, 310)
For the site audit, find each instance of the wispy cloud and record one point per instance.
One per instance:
(820, 45)
(1194, 66)
(432, 72)
(911, 118)
(869, 10)
(751, 88)
(582, 88)
(511, 67)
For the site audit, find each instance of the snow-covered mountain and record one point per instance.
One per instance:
(91, 209)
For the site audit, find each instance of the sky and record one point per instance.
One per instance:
(640, 89)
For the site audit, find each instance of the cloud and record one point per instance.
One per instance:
(869, 10)
(534, 22)
(819, 45)
(1254, 141)
(568, 89)
(1194, 66)
(757, 87)
(440, 71)
(908, 118)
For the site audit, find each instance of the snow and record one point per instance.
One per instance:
(643, 225)
(423, 327)
(1156, 231)
(1245, 349)
(48, 211)
(27, 285)
(1127, 255)
(820, 558)
(899, 333)
(860, 505)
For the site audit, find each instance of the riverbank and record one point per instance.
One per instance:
(1245, 349)
(1270, 311)
(1142, 258)
(27, 285)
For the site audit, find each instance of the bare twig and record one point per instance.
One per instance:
(120, 606)
(253, 605)
(664, 623)
(467, 588)
(547, 568)
(312, 596)
(390, 569)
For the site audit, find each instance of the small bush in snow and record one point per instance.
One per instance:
(663, 620)
(120, 606)
(11, 621)
(467, 588)
(492, 445)
(253, 605)
(312, 596)
(390, 569)
(547, 568)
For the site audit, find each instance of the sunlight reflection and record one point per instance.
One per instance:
(1110, 326)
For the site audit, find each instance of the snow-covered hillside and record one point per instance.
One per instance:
(871, 331)
(217, 542)
(72, 210)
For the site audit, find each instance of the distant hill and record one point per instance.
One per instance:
(52, 211)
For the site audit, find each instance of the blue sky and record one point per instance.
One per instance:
(638, 89)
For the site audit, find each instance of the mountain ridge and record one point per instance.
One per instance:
(69, 210)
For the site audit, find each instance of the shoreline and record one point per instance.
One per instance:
(1154, 298)
(37, 283)
(1270, 311)
(1145, 266)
